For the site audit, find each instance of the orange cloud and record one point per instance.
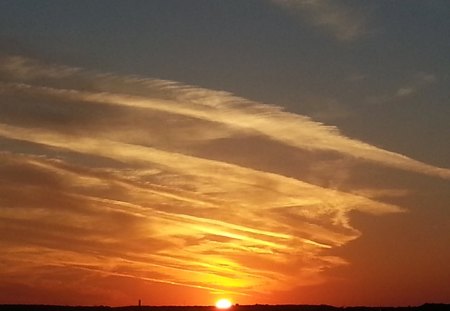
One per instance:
(109, 176)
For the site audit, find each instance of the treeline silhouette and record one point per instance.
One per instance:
(424, 307)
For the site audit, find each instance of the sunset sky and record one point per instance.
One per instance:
(265, 151)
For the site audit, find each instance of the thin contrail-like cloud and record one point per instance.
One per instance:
(219, 107)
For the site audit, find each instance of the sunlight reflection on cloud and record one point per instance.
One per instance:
(162, 207)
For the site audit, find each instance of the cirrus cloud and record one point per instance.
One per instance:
(150, 180)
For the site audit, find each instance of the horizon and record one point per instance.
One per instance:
(231, 307)
(285, 152)
(427, 305)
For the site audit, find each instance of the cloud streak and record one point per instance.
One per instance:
(218, 107)
(149, 180)
(344, 23)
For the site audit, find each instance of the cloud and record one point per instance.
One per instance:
(418, 82)
(343, 22)
(201, 105)
(414, 84)
(152, 181)
(126, 223)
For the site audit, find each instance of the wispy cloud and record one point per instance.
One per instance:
(343, 22)
(201, 106)
(418, 82)
(150, 180)
(413, 85)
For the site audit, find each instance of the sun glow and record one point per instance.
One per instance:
(223, 304)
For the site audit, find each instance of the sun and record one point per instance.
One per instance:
(223, 304)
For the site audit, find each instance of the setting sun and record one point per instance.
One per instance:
(223, 304)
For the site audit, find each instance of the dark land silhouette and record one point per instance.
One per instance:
(424, 307)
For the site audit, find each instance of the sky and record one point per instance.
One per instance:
(264, 151)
